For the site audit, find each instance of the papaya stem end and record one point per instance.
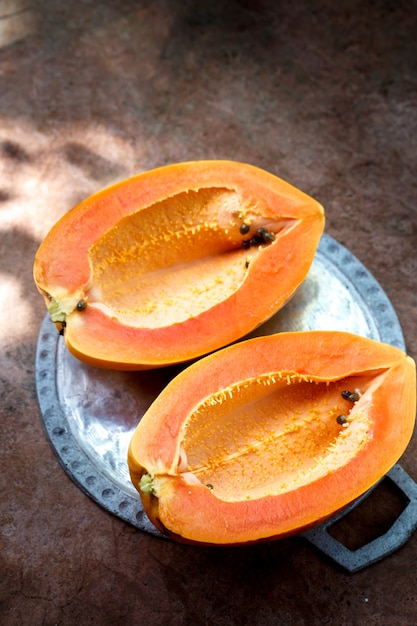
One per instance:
(146, 484)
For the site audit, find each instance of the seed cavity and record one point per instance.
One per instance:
(269, 434)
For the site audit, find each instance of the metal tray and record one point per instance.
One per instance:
(90, 414)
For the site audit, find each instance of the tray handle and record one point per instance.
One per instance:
(377, 549)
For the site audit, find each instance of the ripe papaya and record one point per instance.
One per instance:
(272, 435)
(176, 262)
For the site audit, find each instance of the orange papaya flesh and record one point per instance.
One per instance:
(174, 263)
(263, 439)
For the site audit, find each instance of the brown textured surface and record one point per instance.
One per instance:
(321, 93)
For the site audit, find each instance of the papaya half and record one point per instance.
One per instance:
(272, 435)
(176, 262)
